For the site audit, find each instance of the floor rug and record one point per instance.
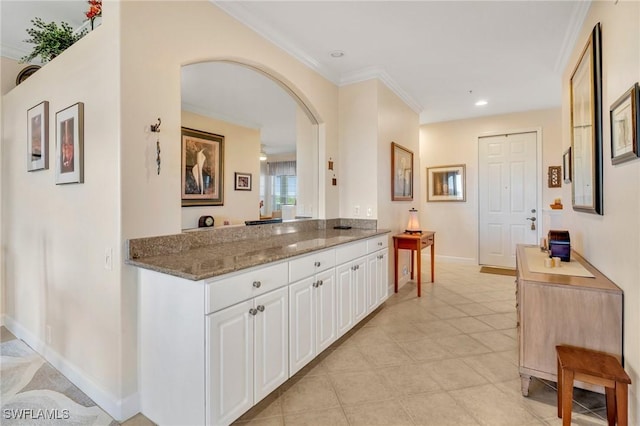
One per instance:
(498, 271)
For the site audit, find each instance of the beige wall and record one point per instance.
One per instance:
(239, 143)
(54, 237)
(612, 242)
(372, 117)
(9, 70)
(456, 142)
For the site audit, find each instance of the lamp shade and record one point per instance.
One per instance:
(414, 223)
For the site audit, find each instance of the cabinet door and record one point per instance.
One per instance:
(229, 363)
(325, 304)
(373, 299)
(345, 303)
(360, 277)
(383, 275)
(301, 324)
(271, 332)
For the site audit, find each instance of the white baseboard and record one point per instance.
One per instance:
(119, 409)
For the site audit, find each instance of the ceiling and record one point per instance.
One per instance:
(440, 57)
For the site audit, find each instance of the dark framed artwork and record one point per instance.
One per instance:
(624, 126)
(566, 166)
(446, 183)
(401, 173)
(242, 181)
(70, 144)
(38, 137)
(586, 128)
(202, 168)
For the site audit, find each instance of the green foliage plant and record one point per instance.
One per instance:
(50, 39)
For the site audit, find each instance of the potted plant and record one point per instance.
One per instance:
(50, 39)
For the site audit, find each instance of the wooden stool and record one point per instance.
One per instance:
(596, 368)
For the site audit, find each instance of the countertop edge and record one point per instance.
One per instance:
(140, 263)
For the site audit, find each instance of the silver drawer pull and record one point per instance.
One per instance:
(380, 243)
(257, 284)
(320, 282)
(252, 311)
(315, 284)
(260, 308)
(316, 264)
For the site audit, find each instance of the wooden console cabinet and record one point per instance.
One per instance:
(558, 309)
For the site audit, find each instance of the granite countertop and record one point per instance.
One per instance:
(219, 259)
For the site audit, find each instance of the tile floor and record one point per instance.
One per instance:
(448, 358)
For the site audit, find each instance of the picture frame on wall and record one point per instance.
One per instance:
(446, 183)
(625, 117)
(38, 137)
(242, 181)
(202, 168)
(401, 173)
(70, 144)
(566, 166)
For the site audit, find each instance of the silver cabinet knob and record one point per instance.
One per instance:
(320, 282)
(316, 264)
(315, 284)
(260, 308)
(380, 243)
(252, 311)
(257, 284)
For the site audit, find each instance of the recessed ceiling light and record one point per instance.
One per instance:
(481, 103)
(337, 54)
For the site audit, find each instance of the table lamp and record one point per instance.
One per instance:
(413, 227)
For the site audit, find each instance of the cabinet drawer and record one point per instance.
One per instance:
(377, 243)
(230, 290)
(351, 251)
(306, 266)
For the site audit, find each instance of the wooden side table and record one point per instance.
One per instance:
(415, 243)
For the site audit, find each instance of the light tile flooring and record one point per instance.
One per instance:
(447, 358)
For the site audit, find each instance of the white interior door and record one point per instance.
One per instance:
(508, 201)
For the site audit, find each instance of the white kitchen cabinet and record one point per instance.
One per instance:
(312, 318)
(378, 279)
(247, 354)
(351, 303)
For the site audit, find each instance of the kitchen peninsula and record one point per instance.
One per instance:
(227, 315)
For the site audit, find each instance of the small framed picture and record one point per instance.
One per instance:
(70, 144)
(554, 177)
(38, 137)
(243, 181)
(566, 166)
(446, 183)
(624, 126)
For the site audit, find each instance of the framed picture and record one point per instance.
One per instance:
(553, 176)
(566, 166)
(586, 128)
(70, 144)
(38, 137)
(243, 181)
(624, 126)
(446, 183)
(202, 168)
(401, 173)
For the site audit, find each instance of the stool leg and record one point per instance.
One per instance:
(611, 405)
(621, 403)
(559, 398)
(567, 396)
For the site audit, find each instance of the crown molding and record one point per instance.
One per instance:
(12, 52)
(239, 12)
(578, 16)
(384, 77)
